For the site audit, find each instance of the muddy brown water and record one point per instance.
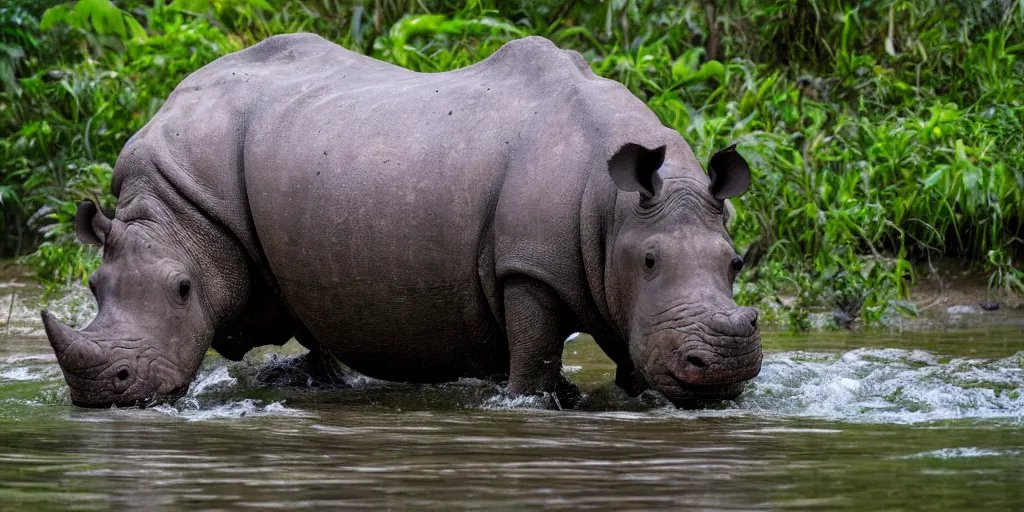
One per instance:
(863, 420)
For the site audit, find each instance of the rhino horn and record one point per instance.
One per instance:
(74, 351)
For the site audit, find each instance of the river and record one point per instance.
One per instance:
(837, 421)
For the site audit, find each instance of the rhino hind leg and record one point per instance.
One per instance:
(322, 368)
(313, 369)
(316, 368)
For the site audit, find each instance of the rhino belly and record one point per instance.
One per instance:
(393, 303)
(382, 268)
(398, 332)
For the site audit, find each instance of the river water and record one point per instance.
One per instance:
(835, 421)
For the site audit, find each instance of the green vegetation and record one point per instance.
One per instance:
(882, 134)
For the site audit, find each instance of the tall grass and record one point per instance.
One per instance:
(882, 134)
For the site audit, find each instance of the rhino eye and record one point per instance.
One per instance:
(649, 261)
(184, 286)
(737, 263)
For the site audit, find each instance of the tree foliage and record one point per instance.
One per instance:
(882, 134)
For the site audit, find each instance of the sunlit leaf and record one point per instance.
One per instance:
(55, 15)
(933, 178)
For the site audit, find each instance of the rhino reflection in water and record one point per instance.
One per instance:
(417, 227)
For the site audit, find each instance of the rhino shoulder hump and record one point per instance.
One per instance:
(534, 54)
(286, 47)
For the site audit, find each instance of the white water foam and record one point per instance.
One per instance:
(504, 401)
(19, 358)
(962, 453)
(22, 373)
(216, 380)
(887, 386)
(193, 406)
(362, 381)
(191, 411)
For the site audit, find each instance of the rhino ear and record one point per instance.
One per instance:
(634, 168)
(91, 225)
(729, 173)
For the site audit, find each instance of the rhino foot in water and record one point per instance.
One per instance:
(420, 227)
(310, 370)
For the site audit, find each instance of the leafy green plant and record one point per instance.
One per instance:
(99, 16)
(881, 134)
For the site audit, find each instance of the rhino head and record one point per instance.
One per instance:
(159, 305)
(671, 271)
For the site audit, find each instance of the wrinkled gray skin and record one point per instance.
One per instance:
(417, 227)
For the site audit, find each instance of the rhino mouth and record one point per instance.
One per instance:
(83, 393)
(696, 396)
(698, 365)
(689, 395)
(693, 368)
(145, 402)
(159, 398)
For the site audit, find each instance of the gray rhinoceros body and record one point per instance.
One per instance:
(423, 227)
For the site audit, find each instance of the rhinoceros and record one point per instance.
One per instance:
(416, 227)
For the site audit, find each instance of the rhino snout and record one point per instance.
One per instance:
(740, 322)
(100, 373)
(729, 351)
(710, 358)
(702, 366)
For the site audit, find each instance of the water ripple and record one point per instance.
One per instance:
(887, 386)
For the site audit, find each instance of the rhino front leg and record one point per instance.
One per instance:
(316, 368)
(536, 324)
(321, 367)
(264, 321)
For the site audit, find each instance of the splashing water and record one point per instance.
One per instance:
(218, 378)
(197, 404)
(887, 386)
(190, 409)
(865, 385)
(819, 428)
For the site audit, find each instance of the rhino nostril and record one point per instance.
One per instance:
(696, 361)
(123, 374)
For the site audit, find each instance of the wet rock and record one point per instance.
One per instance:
(961, 310)
(990, 306)
(843, 319)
